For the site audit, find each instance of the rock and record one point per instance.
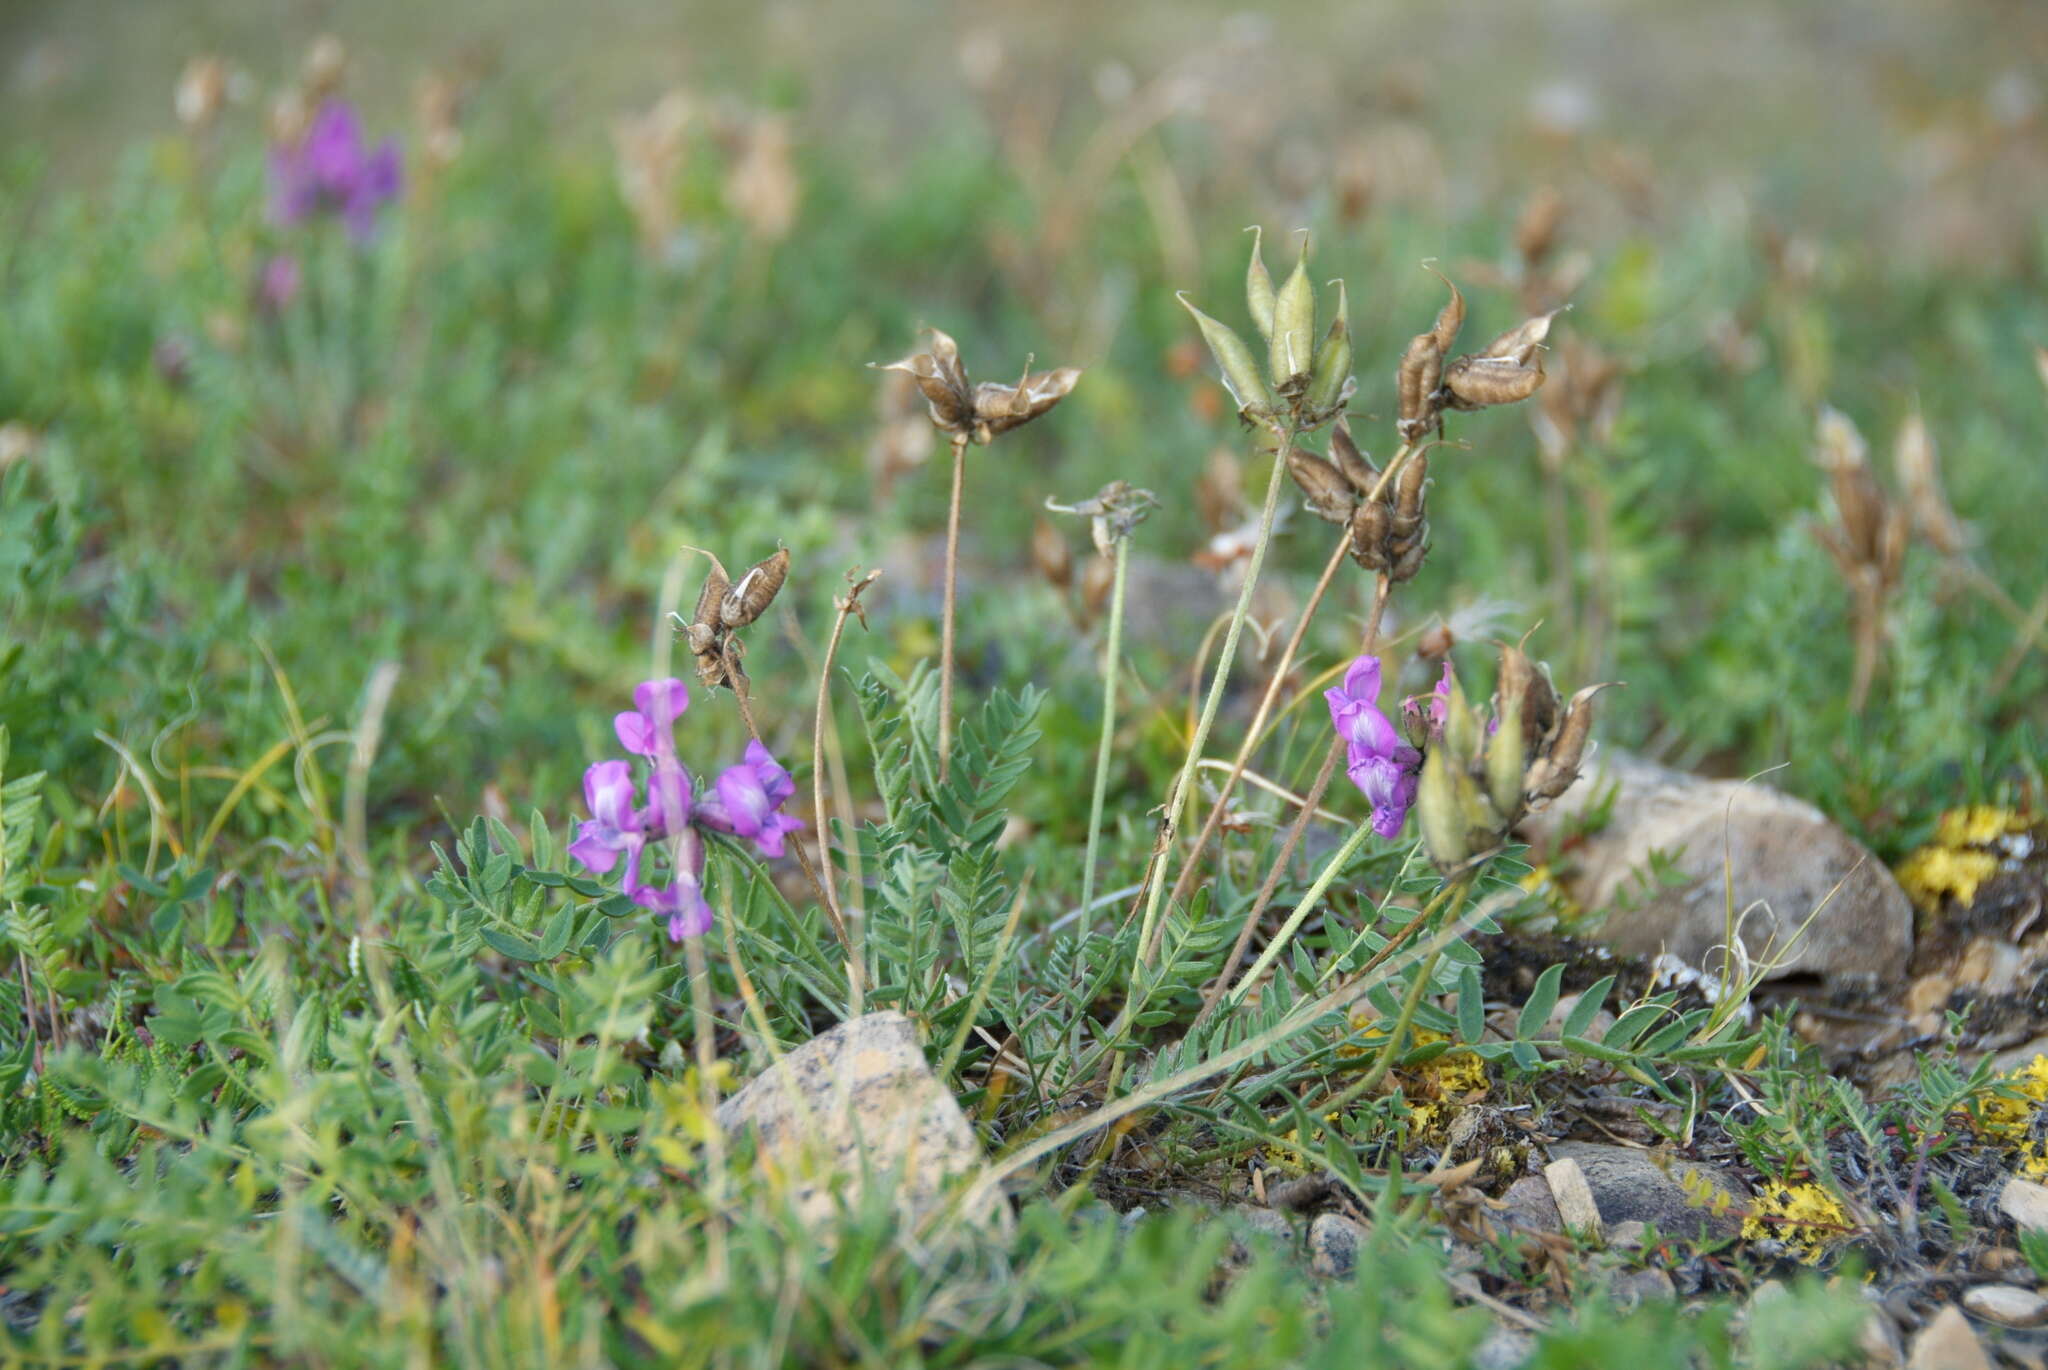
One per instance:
(2007, 1304)
(1947, 1343)
(859, 1105)
(1642, 1286)
(1333, 1241)
(1251, 1220)
(1574, 1198)
(1785, 857)
(1504, 1349)
(2026, 1203)
(1627, 1236)
(1877, 1337)
(1629, 1185)
(1528, 1206)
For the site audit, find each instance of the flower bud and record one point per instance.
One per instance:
(1258, 287)
(1294, 326)
(1240, 373)
(1327, 385)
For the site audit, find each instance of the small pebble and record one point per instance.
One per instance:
(1947, 1343)
(1333, 1246)
(2026, 1203)
(2008, 1304)
(1503, 1349)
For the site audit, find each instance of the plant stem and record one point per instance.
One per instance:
(1309, 900)
(1392, 1046)
(796, 849)
(1112, 663)
(1193, 861)
(1382, 587)
(1183, 784)
(946, 622)
(855, 971)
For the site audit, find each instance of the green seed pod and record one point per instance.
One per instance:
(1333, 360)
(1504, 758)
(1258, 287)
(1461, 727)
(1240, 371)
(1437, 812)
(1294, 326)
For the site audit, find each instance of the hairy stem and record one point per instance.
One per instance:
(1112, 662)
(855, 974)
(946, 622)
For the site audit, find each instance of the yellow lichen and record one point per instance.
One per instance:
(1977, 825)
(1931, 873)
(1805, 1217)
(2008, 1118)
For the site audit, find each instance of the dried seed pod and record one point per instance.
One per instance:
(1415, 385)
(943, 379)
(1553, 772)
(1410, 562)
(755, 591)
(1294, 328)
(1328, 493)
(1258, 286)
(1050, 553)
(1536, 229)
(1411, 488)
(1098, 577)
(716, 583)
(1862, 507)
(1369, 535)
(1524, 687)
(1839, 442)
(1435, 643)
(1450, 318)
(1919, 472)
(1356, 465)
(1330, 384)
(1241, 374)
(1479, 382)
(1519, 344)
(999, 408)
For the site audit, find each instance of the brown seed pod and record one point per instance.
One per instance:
(1356, 466)
(755, 591)
(1523, 686)
(1098, 577)
(942, 378)
(1536, 229)
(1329, 494)
(1435, 643)
(1410, 562)
(998, 408)
(1415, 385)
(1920, 480)
(1411, 488)
(1478, 382)
(1450, 318)
(1554, 771)
(1050, 553)
(708, 599)
(1520, 343)
(1369, 535)
(1863, 509)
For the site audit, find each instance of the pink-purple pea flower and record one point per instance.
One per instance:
(1380, 764)
(744, 802)
(333, 169)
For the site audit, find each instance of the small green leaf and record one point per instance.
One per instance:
(511, 944)
(1471, 1006)
(1542, 999)
(556, 936)
(1587, 1009)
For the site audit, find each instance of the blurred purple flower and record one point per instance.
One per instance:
(1422, 716)
(1382, 766)
(744, 802)
(280, 283)
(332, 169)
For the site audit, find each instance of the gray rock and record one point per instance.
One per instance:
(857, 1106)
(1333, 1242)
(1641, 1286)
(2007, 1304)
(1784, 857)
(1648, 1187)
(1251, 1220)
(1504, 1349)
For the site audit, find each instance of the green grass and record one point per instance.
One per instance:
(303, 1060)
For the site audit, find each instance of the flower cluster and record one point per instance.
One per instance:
(1382, 766)
(331, 168)
(744, 801)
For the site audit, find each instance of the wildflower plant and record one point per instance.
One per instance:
(331, 169)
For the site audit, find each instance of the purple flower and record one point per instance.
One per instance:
(745, 799)
(614, 829)
(1422, 716)
(648, 728)
(332, 169)
(1382, 766)
(682, 899)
